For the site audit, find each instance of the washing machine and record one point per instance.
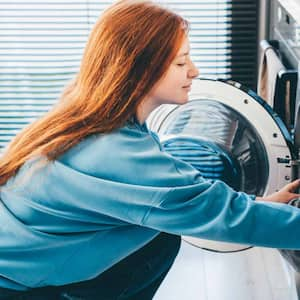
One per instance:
(228, 132)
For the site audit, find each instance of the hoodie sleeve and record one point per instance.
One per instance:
(129, 178)
(216, 212)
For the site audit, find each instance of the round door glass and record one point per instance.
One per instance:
(218, 141)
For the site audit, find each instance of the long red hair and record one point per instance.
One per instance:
(128, 51)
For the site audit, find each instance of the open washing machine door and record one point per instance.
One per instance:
(227, 132)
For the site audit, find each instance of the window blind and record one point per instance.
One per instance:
(41, 44)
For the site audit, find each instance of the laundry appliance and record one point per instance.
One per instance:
(228, 132)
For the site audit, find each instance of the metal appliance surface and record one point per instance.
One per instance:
(285, 31)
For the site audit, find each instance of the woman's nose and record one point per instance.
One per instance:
(193, 72)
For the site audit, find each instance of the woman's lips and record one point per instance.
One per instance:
(187, 87)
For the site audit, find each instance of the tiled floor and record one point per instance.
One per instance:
(255, 274)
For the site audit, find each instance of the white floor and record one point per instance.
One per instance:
(255, 274)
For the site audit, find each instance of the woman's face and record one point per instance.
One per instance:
(174, 87)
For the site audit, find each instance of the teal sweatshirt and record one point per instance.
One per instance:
(73, 218)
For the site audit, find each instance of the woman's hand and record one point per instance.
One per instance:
(285, 195)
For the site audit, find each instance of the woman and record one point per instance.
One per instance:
(91, 207)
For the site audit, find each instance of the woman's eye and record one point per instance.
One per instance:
(181, 65)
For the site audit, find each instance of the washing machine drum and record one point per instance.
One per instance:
(227, 132)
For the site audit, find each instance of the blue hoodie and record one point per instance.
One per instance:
(71, 219)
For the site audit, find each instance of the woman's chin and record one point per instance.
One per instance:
(179, 101)
(182, 101)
